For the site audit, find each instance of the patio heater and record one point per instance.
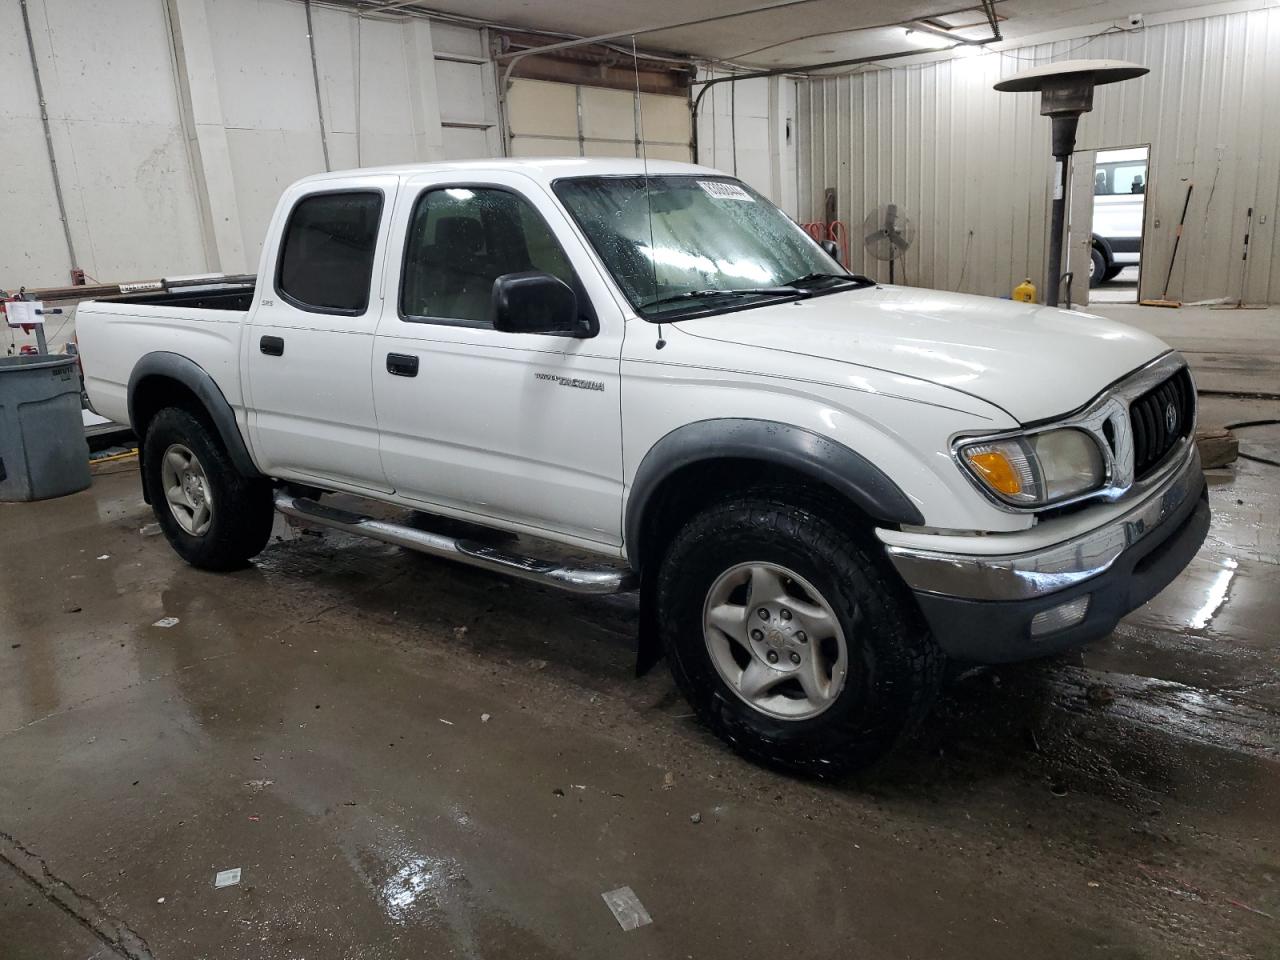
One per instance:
(1066, 91)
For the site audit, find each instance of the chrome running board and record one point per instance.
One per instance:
(586, 580)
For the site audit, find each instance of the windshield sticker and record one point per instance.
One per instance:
(725, 191)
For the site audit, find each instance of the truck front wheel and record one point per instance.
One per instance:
(790, 641)
(214, 517)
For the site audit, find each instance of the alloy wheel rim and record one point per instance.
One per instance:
(186, 489)
(775, 641)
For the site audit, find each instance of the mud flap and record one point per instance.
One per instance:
(142, 474)
(649, 651)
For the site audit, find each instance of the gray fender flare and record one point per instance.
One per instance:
(191, 375)
(824, 460)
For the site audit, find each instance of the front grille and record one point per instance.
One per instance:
(1160, 418)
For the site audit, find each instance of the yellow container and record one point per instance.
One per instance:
(1025, 291)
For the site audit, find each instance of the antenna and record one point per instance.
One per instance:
(648, 199)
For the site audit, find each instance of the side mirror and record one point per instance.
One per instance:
(534, 302)
(832, 250)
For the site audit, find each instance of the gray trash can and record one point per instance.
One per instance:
(43, 452)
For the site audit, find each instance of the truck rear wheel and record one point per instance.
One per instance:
(214, 517)
(790, 641)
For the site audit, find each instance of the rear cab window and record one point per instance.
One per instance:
(327, 250)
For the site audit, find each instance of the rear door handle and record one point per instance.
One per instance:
(272, 346)
(402, 365)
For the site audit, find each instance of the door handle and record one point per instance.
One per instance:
(272, 346)
(402, 365)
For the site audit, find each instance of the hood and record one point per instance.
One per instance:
(1034, 362)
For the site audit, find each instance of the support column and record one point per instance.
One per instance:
(424, 98)
(782, 146)
(201, 109)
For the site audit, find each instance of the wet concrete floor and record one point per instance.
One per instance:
(410, 759)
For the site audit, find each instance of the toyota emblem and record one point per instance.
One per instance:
(1171, 417)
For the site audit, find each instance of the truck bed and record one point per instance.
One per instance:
(201, 320)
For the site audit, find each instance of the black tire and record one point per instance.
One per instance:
(895, 665)
(1113, 271)
(1097, 267)
(242, 513)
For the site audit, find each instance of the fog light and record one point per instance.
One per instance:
(1060, 617)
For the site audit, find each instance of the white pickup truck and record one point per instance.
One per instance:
(822, 487)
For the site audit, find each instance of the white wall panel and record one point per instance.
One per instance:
(32, 249)
(113, 113)
(262, 63)
(742, 130)
(176, 123)
(465, 143)
(460, 86)
(467, 93)
(971, 166)
(452, 39)
(388, 132)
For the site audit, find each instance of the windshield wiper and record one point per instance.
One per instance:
(784, 291)
(811, 278)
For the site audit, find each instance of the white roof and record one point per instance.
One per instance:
(1122, 156)
(544, 169)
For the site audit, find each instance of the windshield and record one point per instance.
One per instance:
(712, 242)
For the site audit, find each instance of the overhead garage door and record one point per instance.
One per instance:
(564, 119)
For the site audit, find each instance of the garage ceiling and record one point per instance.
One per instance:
(791, 35)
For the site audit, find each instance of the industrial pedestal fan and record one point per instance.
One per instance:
(887, 234)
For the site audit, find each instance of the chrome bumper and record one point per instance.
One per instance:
(1038, 573)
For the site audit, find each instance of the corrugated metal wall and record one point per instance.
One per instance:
(971, 166)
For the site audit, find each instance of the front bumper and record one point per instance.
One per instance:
(981, 609)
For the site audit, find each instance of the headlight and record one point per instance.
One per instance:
(1036, 470)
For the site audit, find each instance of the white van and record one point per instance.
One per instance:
(1119, 191)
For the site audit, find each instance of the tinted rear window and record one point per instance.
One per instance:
(326, 256)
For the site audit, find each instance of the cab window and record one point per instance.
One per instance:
(326, 253)
(460, 240)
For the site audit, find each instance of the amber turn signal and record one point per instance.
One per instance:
(994, 468)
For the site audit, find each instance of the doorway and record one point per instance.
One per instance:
(1108, 222)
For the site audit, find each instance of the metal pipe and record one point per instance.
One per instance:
(315, 79)
(917, 27)
(987, 6)
(48, 138)
(831, 64)
(544, 572)
(512, 59)
(97, 291)
(781, 71)
(654, 28)
(1064, 143)
(393, 5)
